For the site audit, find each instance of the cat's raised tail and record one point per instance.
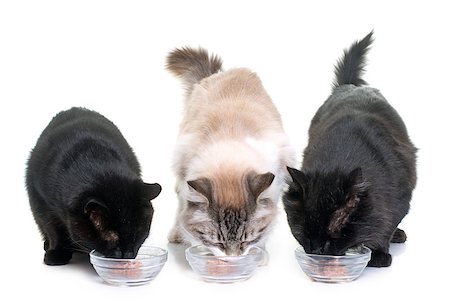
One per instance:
(192, 65)
(350, 67)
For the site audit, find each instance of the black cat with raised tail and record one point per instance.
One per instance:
(358, 171)
(85, 189)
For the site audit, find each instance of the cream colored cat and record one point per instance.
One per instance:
(231, 156)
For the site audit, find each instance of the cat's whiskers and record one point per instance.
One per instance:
(80, 247)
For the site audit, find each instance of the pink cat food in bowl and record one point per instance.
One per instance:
(334, 269)
(224, 269)
(130, 272)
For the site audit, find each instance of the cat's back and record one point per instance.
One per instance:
(79, 120)
(357, 126)
(365, 104)
(232, 102)
(75, 134)
(238, 84)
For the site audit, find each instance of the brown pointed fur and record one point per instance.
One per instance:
(192, 65)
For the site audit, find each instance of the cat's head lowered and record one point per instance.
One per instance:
(113, 216)
(323, 209)
(228, 212)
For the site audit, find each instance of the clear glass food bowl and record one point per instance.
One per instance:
(334, 269)
(224, 269)
(147, 265)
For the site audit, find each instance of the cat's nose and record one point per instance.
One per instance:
(115, 253)
(129, 254)
(233, 249)
(317, 251)
(326, 247)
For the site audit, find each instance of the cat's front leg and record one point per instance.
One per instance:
(58, 256)
(58, 250)
(175, 235)
(380, 259)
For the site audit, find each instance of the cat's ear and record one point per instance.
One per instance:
(97, 211)
(356, 190)
(300, 181)
(203, 186)
(259, 183)
(356, 186)
(151, 190)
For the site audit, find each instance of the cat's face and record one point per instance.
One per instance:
(115, 221)
(322, 210)
(230, 221)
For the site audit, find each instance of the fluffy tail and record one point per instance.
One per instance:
(350, 67)
(192, 65)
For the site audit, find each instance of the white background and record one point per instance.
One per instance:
(109, 56)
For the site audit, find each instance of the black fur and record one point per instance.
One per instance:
(85, 189)
(349, 69)
(358, 172)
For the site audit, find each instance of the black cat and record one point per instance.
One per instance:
(358, 172)
(85, 189)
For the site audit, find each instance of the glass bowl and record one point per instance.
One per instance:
(147, 265)
(224, 269)
(334, 269)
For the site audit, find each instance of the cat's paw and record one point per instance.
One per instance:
(57, 256)
(399, 236)
(380, 259)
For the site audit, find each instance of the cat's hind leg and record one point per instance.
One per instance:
(399, 236)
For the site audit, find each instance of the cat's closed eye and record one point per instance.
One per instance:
(220, 245)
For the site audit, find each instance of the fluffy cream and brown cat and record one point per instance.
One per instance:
(231, 156)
